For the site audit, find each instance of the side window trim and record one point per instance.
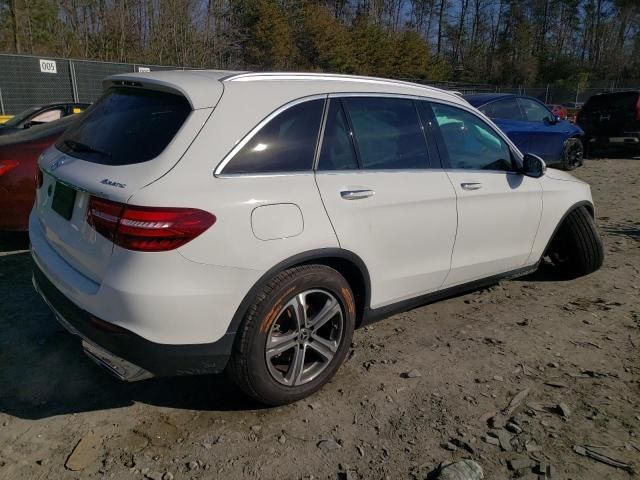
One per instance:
(354, 142)
(430, 155)
(438, 155)
(440, 139)
(323, 130)
(219, 169)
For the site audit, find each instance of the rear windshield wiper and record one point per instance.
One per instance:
(83, 147)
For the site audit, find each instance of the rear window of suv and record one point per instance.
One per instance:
(612, 101)
(126, 126)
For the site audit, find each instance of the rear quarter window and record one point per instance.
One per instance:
(126, 126)
(287, 143)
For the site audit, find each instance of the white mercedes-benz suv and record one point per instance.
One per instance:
(200, 221)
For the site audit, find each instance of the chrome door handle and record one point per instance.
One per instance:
(471, 186)
(356, 194)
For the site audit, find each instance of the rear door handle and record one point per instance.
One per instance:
(471, 186)
(356, 194)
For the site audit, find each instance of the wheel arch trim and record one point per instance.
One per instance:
(322, 256)
(571, 209)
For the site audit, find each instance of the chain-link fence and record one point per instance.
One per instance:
(26, 81)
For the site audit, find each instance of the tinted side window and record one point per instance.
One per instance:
(286, 144)
(337, 147)
(507, 109)
(470, 142)
(535, 111)
(387, 132)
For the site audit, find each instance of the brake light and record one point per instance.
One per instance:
(104, 215)
(638, 109)
(39, 178)
(7, 165)
(147, 229)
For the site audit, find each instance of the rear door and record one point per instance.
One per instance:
(498, 209)
(127, 140)
(388, 201)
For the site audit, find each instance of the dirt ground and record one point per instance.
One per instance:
(572, 343)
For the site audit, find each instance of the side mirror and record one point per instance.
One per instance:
(533, 166)
(27, 125)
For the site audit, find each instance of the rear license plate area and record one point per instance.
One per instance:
(64, 199)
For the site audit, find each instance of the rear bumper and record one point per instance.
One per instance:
(624, 140)
(125, 354)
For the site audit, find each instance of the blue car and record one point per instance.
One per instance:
(533, 128)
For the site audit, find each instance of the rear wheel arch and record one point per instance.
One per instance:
(345, 262)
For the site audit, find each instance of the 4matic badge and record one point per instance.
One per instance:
(111, 183)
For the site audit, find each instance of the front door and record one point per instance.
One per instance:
(546, 135)
(498, 209)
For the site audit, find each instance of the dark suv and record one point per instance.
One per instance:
(612, 120)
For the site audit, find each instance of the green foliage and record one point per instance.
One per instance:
(269, 43)
(518, 42)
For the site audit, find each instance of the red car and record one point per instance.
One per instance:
(18, 165)
(559, 111)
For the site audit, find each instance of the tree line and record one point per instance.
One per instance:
(508, 42)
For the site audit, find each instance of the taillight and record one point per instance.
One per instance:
(147, 229)
(7, 165)
(39, 178)
(104, 215)
(638, 109)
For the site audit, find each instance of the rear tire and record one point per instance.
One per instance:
(577, 250)
(294, 336)
(573, 154)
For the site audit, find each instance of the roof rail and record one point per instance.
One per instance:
(256, 76)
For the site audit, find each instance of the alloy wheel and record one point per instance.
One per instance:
(304, 337)
(575, 154)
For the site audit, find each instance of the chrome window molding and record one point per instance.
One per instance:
(219, 170)
(364, 171)
(298, 173)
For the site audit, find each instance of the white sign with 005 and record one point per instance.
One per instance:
(48, 66)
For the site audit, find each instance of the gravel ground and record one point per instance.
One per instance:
(572, 347)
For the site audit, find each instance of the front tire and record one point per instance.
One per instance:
(294, 336)
(577, 250)
(573, 154)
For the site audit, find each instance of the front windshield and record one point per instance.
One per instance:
(16, 120)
